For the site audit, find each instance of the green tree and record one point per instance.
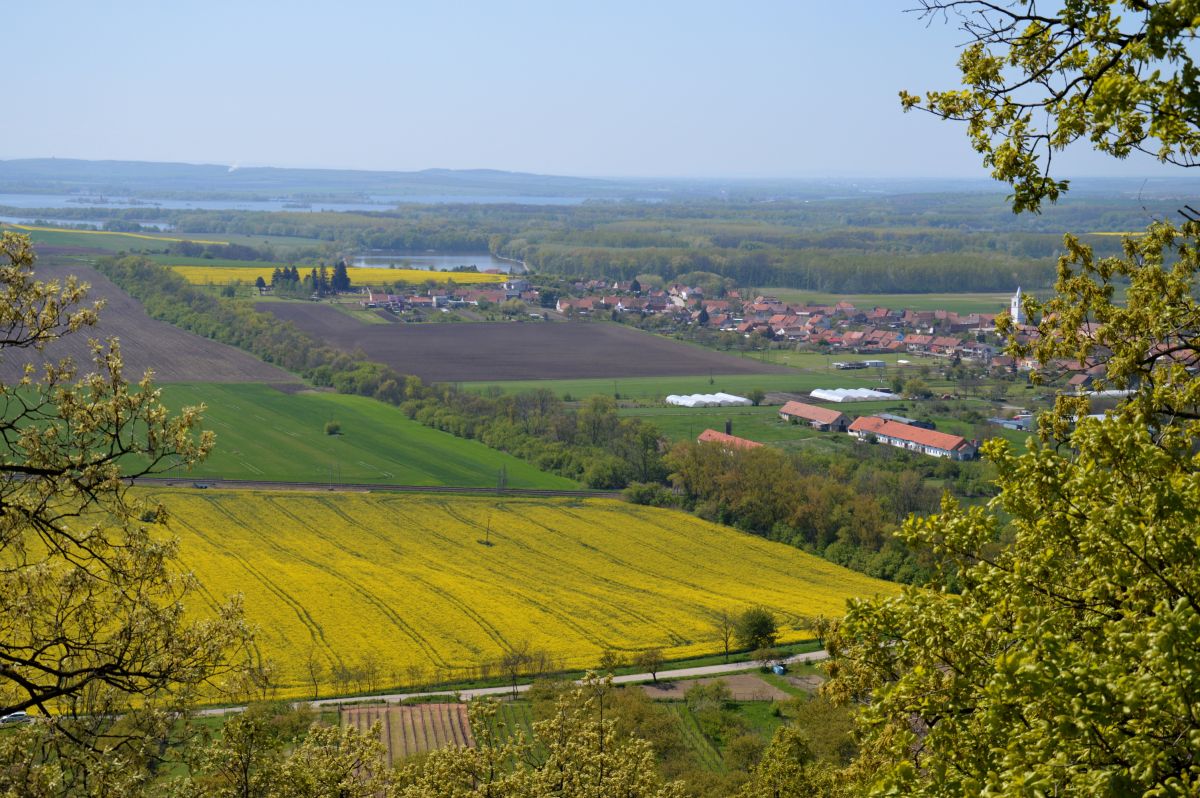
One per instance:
(94, 627)
(274, 751)
(650, 660)
(724, 625)
(756, 628)
(1036, 78)
(610, 661)
(917, 388)
(1061, 662)
(1079, 582)
(341, 277)
(788, 769)
(756, 396)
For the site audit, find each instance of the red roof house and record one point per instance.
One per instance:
(728, 441)
(916, 439)
(821, 418)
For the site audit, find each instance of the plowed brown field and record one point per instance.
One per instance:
(513, 351)
(175, 355)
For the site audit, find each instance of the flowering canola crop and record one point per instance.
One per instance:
(441, 584)
(225, 275)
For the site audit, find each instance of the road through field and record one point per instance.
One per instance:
(482, 692)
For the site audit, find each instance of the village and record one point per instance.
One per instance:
(841, 327)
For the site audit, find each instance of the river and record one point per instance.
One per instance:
(440, 263)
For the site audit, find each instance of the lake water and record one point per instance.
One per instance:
(380, 203)
(439, 263)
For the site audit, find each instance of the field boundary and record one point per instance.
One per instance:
(365, 487)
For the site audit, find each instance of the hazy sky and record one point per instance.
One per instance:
(795, 88)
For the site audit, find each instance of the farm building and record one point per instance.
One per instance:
(912, 422)
(916, 439)
(821, 418)
(728, 441)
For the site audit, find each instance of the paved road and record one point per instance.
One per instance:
(478, 692)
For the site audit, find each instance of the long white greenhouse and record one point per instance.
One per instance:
(707, 400)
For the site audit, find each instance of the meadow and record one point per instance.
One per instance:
(655, 389)
(436, 586)
(988, 302)
(226, 275)
(263, 433)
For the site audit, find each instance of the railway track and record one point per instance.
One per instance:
(360, 487)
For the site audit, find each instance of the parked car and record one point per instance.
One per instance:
(16, 717)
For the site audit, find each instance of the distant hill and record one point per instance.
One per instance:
(146, 180)
(165, 180)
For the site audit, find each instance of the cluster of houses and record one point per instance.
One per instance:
(904, 433)
(838, 327)
(517, 288)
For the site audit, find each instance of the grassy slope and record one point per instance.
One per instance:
(265, 434)
(407, 578)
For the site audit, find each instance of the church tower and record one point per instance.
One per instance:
(1015, 310)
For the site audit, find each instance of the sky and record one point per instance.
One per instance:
(654, 88)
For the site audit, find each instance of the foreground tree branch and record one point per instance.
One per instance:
(1120, 75)
(95, 627)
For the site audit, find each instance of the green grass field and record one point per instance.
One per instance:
(816, 361)
(263, 433)
(655, 389)
(959, 303)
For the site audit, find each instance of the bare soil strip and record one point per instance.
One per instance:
(173, 354)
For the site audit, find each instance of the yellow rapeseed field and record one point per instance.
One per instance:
(224, 275)
(409, 580)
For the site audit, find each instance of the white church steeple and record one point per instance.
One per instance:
(1015, 309)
